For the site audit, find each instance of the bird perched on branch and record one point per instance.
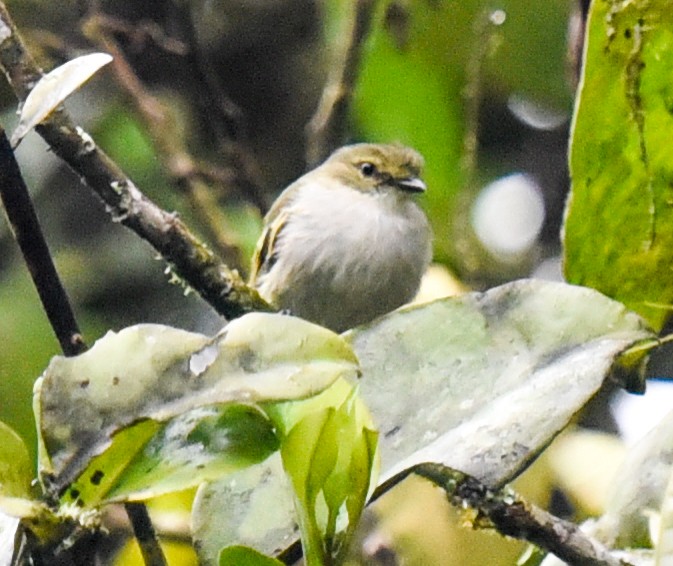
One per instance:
(347, 241)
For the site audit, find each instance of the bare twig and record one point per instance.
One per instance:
(326, 129)
(226, 120)
(503, 510)
(144, 531)
(193, 262)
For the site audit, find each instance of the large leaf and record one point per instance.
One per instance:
(480, 383)
(483, 382)
(619, 223)
(157, 373)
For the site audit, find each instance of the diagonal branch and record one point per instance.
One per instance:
(511, 516)
(26, 228)
(196, 265)
(185, 171)
(326, 129)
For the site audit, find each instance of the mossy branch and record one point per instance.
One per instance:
(191, 260)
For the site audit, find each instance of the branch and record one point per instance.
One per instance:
(191, 260)
(325, 131)
(26, 229)
(511, 516)
(186, 172)
(145, 534)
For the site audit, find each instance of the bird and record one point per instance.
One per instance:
(347, 242)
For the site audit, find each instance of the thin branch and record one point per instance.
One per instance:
(226, 121)
(190, 259)
(511, 516)
(170, 147)
(144, 532)
(326, 129)
(26, 228)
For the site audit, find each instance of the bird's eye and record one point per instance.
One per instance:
(368, 169)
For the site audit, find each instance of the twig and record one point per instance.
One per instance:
(325, 130)
(226, 121)
(511, 516)
(26, 228)
(191, 260)
(145, 535)
(170, 147)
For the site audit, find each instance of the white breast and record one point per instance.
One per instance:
(348, 256)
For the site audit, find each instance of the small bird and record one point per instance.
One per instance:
(346, 242)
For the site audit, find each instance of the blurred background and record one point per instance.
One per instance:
(207, 107)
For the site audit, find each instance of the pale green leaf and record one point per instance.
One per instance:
(664, 537)
(639, 484)
(158, 373)
(53, 88)
(480, 383)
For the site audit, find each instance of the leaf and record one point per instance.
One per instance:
(53, 88)
(618, 231)
(149, 459)
(329, 452)
(329, 456)
(663, 542)
(640, 484)
(16, 470)
(16, 474)
(245, 556)
(159, 373)
(481, 383)
(254, 507)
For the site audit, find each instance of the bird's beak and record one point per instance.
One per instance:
(411, 184)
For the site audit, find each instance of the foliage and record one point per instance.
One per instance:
(285, 429)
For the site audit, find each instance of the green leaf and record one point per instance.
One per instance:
(328, 450)
(245, 556)
(329, 457)
(619, 224)
(157, 373)
(16, 474)
(481, 383)
(149, 459)
(16, 469)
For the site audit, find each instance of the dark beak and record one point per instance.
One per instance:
(411, 185)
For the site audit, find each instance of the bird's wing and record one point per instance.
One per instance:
(266, 251)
